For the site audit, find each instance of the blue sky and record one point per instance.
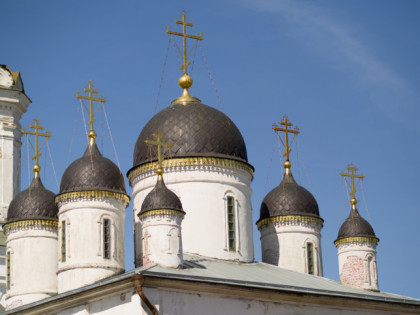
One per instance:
(347, 73)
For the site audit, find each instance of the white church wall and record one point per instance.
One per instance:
(187, 303)
(13, 103)
(203, 191)
(84, 245)
(357, 264)
(33, 264)
(162, 240)
(285, 244)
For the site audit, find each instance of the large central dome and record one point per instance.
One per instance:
(194, 129)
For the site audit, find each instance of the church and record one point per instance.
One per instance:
(64, 253)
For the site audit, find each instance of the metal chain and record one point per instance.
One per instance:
(87, 137)
(211, 79)
(112, 139)
(304, 167)
(177, 50)
(364, 201)
(29, 171)
(341, 204)
(269, 170)
(162, 75)
(53, 167)
(72, 137)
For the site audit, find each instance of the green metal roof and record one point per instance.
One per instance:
(261, 275)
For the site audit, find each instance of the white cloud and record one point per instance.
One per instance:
(342, 44)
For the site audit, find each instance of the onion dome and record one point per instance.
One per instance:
(33, 203)
(289, 199)
(355, 226)
(161, 198)
(92, 172)
(194, 129)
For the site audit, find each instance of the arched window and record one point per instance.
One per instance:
(310, 257)
(63, 241)
(231, 222)
(106, 230)
(9, 268)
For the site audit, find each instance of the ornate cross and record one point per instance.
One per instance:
(352, 169)
(286, 124)
(184, 38)
(159, 143)
(91, 90)
(37, 127)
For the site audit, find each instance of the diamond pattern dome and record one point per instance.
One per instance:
(194, 129)
(33, 203)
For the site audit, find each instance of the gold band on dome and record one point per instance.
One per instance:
(28, 223)
(357, 239)
(92, 194)
(290, 218)
(161, 212)
(192, 161)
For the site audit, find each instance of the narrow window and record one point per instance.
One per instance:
(8, 270)
(63, 241)
(107, 238)
(231, 223)
(310, 254)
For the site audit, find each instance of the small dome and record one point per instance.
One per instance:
(92, 172)
(160, 197)
(33, 203)
(355, 226)
(194, 129)
(289, 199)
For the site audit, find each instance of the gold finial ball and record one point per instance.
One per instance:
(353, 201)
(36, 169)
(185, 82)
(287, 164)
(92, 134)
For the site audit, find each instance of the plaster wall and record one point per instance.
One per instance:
(203, 191)
(183, 303)
(33, 264)
(285, 244)
(13, 103)
(162, 240)
(84, 249)
(357, 265)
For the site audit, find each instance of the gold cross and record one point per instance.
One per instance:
(352, 169)
(91, 90)
(184, 39)
(37, 127)
(286, 123)
(159, 143)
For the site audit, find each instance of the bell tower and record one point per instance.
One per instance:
(13, 103)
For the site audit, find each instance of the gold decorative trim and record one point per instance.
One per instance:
(290, 218)
(192, 161)
(161, 212)
(357, 239)
(92, 194)
(28, 223)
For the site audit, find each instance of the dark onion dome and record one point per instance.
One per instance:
(92, 172)
(33, 203)
(288, 199)
(355, 226)
(160, 197)
(194, 129)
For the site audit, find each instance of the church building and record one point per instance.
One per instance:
(63, 253)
